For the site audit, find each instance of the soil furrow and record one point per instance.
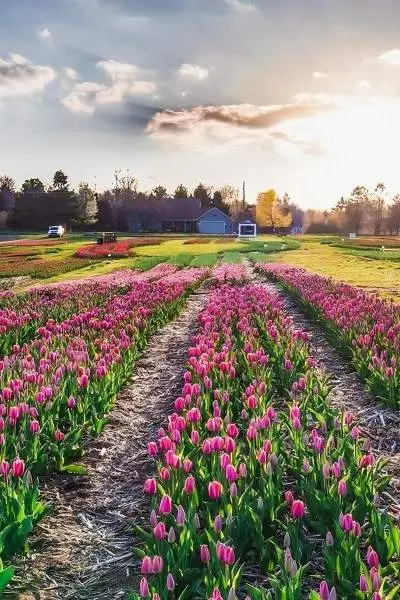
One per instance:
(83, 551)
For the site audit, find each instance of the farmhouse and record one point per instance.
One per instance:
(178, 215)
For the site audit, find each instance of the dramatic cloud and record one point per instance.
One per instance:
(319, 75)
(20, 77)
(218, 128)
(193, 72)
(123, 83)
(71, 73)
(391, 58)
(240, 6)
(44, 34)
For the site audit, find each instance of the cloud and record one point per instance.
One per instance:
(319, 75)
(193, 72)
(390, 58)
(44, 34)
(123, 83)
(364, 85)
(71, 73)
(20, 77)
(82, 97)
(241, 6)
(214, 129)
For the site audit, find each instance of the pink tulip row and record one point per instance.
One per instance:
(65, 381)
(254, 463)
(362, 324)
(231, 273)
(23, 313)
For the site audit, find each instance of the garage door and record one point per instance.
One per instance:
(212, 226)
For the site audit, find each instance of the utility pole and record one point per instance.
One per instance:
(244, 196)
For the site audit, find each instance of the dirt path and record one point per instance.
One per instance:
(84, 551)
(377, 421)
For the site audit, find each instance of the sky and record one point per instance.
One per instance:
(302, 96)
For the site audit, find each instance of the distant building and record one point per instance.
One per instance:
(178, 215)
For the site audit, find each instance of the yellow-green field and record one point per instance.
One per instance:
(382, 276)
(359, 262)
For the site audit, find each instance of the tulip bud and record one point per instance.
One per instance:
(170, 582)
(286, 540)
(204, 553)
(232, 594)
(329, 539)
(171, 535)
(143, 588)
(342, 488)
(233, 490)
(180, 517)
(157, 564)
(363, 584)
(165, 505)
(332, 595)
(196, 521)
(218, 524)
(260, 504)
(153, 518)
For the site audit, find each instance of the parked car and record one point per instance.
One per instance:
(56, 231)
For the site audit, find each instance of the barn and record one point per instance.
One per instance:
(179, 215)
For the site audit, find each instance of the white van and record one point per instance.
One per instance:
(56, 231)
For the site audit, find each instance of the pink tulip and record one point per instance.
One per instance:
(363, 584)
(187, 465)
(59, 435)
(324, 590)
(204, 553)
(165, 505)
(224, 460)
(342, 488)
(71, 402)
(157, 564)
(147, 567)
(298, 509)
(143, 588)
(152, 449)
(18, 467)
(189, 485)
(150, 486)
(214, 490)
(34, 426)
(4, 468)
(372, 558)
(232, 430)
(289, 498)
(218, 524)
(170, 582)
(195, 436)
(262, 457)
(159, 531)
(165, 474)
(347, 522)
(230, 473)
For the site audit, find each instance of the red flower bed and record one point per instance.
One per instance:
(116, 249)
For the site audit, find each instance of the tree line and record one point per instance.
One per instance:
(36, 206)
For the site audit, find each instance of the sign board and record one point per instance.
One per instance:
(352, 236)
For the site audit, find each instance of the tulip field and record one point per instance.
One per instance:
(258, 478)
(255, 486)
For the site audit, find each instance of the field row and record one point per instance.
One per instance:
(362, 326)
(262, 488)
(63, 381)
